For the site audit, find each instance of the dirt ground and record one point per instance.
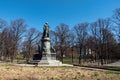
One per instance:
(10, 72)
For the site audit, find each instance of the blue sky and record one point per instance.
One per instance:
(71, 12)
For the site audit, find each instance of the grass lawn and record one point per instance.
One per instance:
(75, 60)
(112, 68)
(11, 72)
(69, 60)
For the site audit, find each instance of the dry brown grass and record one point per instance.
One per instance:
(9, 72)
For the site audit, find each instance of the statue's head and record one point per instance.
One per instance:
(46, 23)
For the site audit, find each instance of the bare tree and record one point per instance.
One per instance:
(54, 38)
(72, 43)
(62, 32)
(101, 33)
(3, 24)
(18, 27)
(5, 43)
(81, 35)
(32, 39)
(116, 19)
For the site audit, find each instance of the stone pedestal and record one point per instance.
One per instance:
(48, 58)
(45, 46)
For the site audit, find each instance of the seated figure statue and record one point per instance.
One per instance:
(52, 49)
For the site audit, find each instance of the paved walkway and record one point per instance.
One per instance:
(116, 64)
(43, 65)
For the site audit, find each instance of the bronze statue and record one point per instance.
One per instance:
(46, 30)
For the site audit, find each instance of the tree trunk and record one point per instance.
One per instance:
(72, 55)
(61, 56)
(80, 55)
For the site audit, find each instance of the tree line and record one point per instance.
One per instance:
(98, 41)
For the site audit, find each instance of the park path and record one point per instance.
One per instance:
(116, 64)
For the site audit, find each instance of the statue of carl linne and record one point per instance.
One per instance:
(46, 31)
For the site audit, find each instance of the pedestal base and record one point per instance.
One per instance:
(47, 59)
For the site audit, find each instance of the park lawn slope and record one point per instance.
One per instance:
(11, 72)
